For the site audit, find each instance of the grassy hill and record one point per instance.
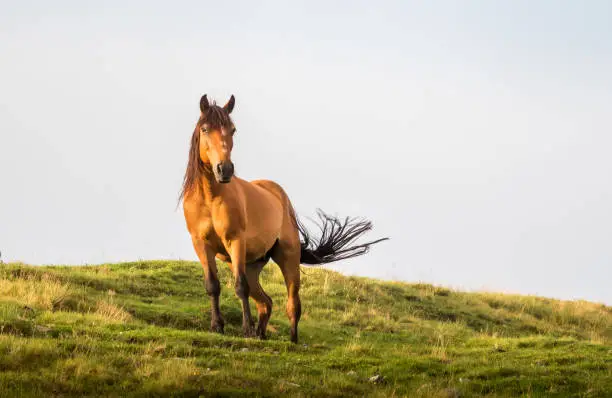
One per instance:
(141, 329)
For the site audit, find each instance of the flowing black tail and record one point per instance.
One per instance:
(334, 242)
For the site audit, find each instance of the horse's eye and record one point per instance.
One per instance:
(204, 130)
(234, 130)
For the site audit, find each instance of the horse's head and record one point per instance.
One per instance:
(216, 131)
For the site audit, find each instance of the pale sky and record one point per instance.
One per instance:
(476, 134)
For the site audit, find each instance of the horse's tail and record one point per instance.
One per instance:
(335, 241)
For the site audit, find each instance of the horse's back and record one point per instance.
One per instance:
(273, 188)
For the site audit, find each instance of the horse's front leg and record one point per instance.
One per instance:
(211, 282)
(237, 251)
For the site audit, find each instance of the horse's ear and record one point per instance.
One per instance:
(229, 107)
(204, 105)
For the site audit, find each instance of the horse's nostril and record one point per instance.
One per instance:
(225, 169)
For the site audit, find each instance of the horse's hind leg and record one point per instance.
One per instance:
(263, 301)
(289, 263)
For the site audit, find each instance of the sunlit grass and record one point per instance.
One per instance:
(141, 329)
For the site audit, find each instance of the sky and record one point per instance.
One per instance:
(475, 134)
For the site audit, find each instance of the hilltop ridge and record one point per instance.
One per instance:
(141, 328)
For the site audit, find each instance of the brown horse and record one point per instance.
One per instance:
(247, 223)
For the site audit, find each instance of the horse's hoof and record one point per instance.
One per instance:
(248, 331)
(261, 334)
(217, 328)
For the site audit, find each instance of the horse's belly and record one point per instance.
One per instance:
(261, 235)
(258, 247)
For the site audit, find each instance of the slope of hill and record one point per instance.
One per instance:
(141, 329)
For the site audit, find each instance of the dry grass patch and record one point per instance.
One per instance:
(44, 292)
(177, 372)
(553, 315)
(107, 309)
(370, 318)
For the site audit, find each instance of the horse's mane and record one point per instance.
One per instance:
(216, 117)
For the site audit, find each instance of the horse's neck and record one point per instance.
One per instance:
(210, 188)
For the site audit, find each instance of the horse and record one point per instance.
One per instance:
(245, 224)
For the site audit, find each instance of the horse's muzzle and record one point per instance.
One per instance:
(224, 171)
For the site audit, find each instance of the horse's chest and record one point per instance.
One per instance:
(205, 229)
(216, 231)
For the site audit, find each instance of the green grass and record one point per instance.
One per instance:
(141, 329)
